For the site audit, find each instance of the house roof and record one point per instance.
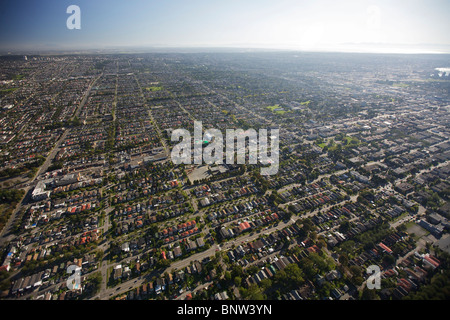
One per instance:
(384, 247)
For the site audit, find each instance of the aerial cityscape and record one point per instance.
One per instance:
(94, 205)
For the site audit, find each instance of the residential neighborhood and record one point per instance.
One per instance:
(88, 182)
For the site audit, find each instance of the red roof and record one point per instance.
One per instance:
(4, 267)
(432, 261)
(314, 248)
(384, 247)
(389, 273)
(244, 225)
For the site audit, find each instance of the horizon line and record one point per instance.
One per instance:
(129, 49)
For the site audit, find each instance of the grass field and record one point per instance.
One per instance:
(416, 230)
(272, 108)
(5, 91)
(352, 140)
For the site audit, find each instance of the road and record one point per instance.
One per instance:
(107, 293)
(55, 149)
(124, 287)
(152, 119)
(29, 186)
(5, 236)
(51, 155)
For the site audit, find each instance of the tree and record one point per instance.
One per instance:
(274, 198)
(369, 294)
(343, 259)
(321, 243)
(307, 225)
(344, 227)
(290, 277)
(356, 271)
(10, 195)
(76, 122)
(96, 279)
(162, 263)
(291, 208)
(265, 284)
(438, 288)
(99, 254)
(252, 293)
(357, 281)
(326, 288)
(5, 281)
(308, 267)
(388, 260)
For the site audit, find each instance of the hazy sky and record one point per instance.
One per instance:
(293, 24)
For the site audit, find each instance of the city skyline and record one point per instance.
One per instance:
(358, 26)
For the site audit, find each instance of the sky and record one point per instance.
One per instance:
(313, 25)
